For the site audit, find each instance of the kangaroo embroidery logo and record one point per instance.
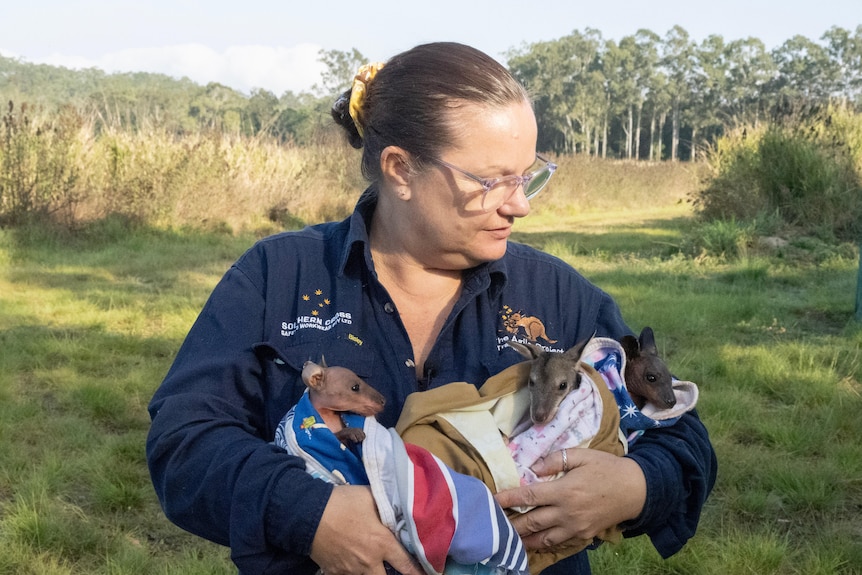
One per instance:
(518, 323)
(315, 312)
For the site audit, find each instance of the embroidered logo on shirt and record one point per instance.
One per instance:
(315, 313)
(319, 301)
(518, 323)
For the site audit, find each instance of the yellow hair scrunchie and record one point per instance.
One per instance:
(357, 92)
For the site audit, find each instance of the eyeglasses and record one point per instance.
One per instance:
(498, 191)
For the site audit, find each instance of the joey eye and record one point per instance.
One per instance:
(562, 386)
(354, 387)
(651, 378)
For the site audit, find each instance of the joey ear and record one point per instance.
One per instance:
(312, 375)
(527, 351)
(630, 346)
(647, 341)
(396, 169)
(576, 351)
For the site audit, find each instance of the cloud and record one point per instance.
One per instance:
(244, 68)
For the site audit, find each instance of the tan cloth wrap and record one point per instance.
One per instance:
(426, 420)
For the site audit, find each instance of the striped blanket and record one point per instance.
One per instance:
(449, 521)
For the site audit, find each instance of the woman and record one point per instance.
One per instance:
(419, 287)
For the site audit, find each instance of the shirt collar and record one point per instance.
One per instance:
(357, 250)
(356, 246)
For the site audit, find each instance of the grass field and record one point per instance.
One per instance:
(771, 342)
(89, 324)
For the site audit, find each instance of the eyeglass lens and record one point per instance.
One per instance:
(503, 190)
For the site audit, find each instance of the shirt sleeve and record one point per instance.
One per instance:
(680, 466)
(213, 469)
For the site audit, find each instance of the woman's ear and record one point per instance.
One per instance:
(396, 169)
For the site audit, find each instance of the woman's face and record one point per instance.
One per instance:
(449, 229)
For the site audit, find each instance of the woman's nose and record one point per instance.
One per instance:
(517, 205)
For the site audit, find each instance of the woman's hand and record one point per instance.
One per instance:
(600, 490)
(351, 540)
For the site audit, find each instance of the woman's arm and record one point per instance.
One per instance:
(215, 472)
(680, 467)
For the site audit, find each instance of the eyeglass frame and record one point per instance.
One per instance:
(522, 181)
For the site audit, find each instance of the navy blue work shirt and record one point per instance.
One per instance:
(313, 294)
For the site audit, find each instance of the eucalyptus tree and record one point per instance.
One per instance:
(302, 118)
(140, 100)
(619, 64)
(678, 62)
(562, 75)
(845, 50)
(646, 76)
(806, 72)
(261, 113)
(751, 69)
(707, 80)
(657, 106)
(547, 70)
(45, 85)
(217, 107)
(591, 97)
(339, 70)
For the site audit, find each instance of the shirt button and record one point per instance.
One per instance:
(388, 307)
(409, 363)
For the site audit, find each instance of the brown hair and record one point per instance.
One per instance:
(407, 103)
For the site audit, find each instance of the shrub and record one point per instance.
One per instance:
(808, 171)
(732, 182)
(726, 238)
(811, 185)
(40, 169)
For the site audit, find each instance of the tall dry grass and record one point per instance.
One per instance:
(584, 184)
(64, 169)
(218, 181)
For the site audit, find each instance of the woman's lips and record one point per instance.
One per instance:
(501, 233)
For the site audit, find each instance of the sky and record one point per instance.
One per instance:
(275, 44)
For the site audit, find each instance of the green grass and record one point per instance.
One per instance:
(770, 340)
(89, 324)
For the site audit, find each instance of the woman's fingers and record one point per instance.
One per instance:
(351, 540)
(554, 463)
(599, 491)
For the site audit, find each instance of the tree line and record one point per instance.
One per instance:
(653, 97)
(645, 96)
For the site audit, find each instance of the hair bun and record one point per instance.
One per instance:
(340, 112)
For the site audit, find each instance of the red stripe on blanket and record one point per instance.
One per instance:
(435, 522)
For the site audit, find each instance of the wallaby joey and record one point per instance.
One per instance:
(552, 377)
(336, 389)
(647, 377)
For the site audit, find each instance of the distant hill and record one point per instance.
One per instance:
(133, 100)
